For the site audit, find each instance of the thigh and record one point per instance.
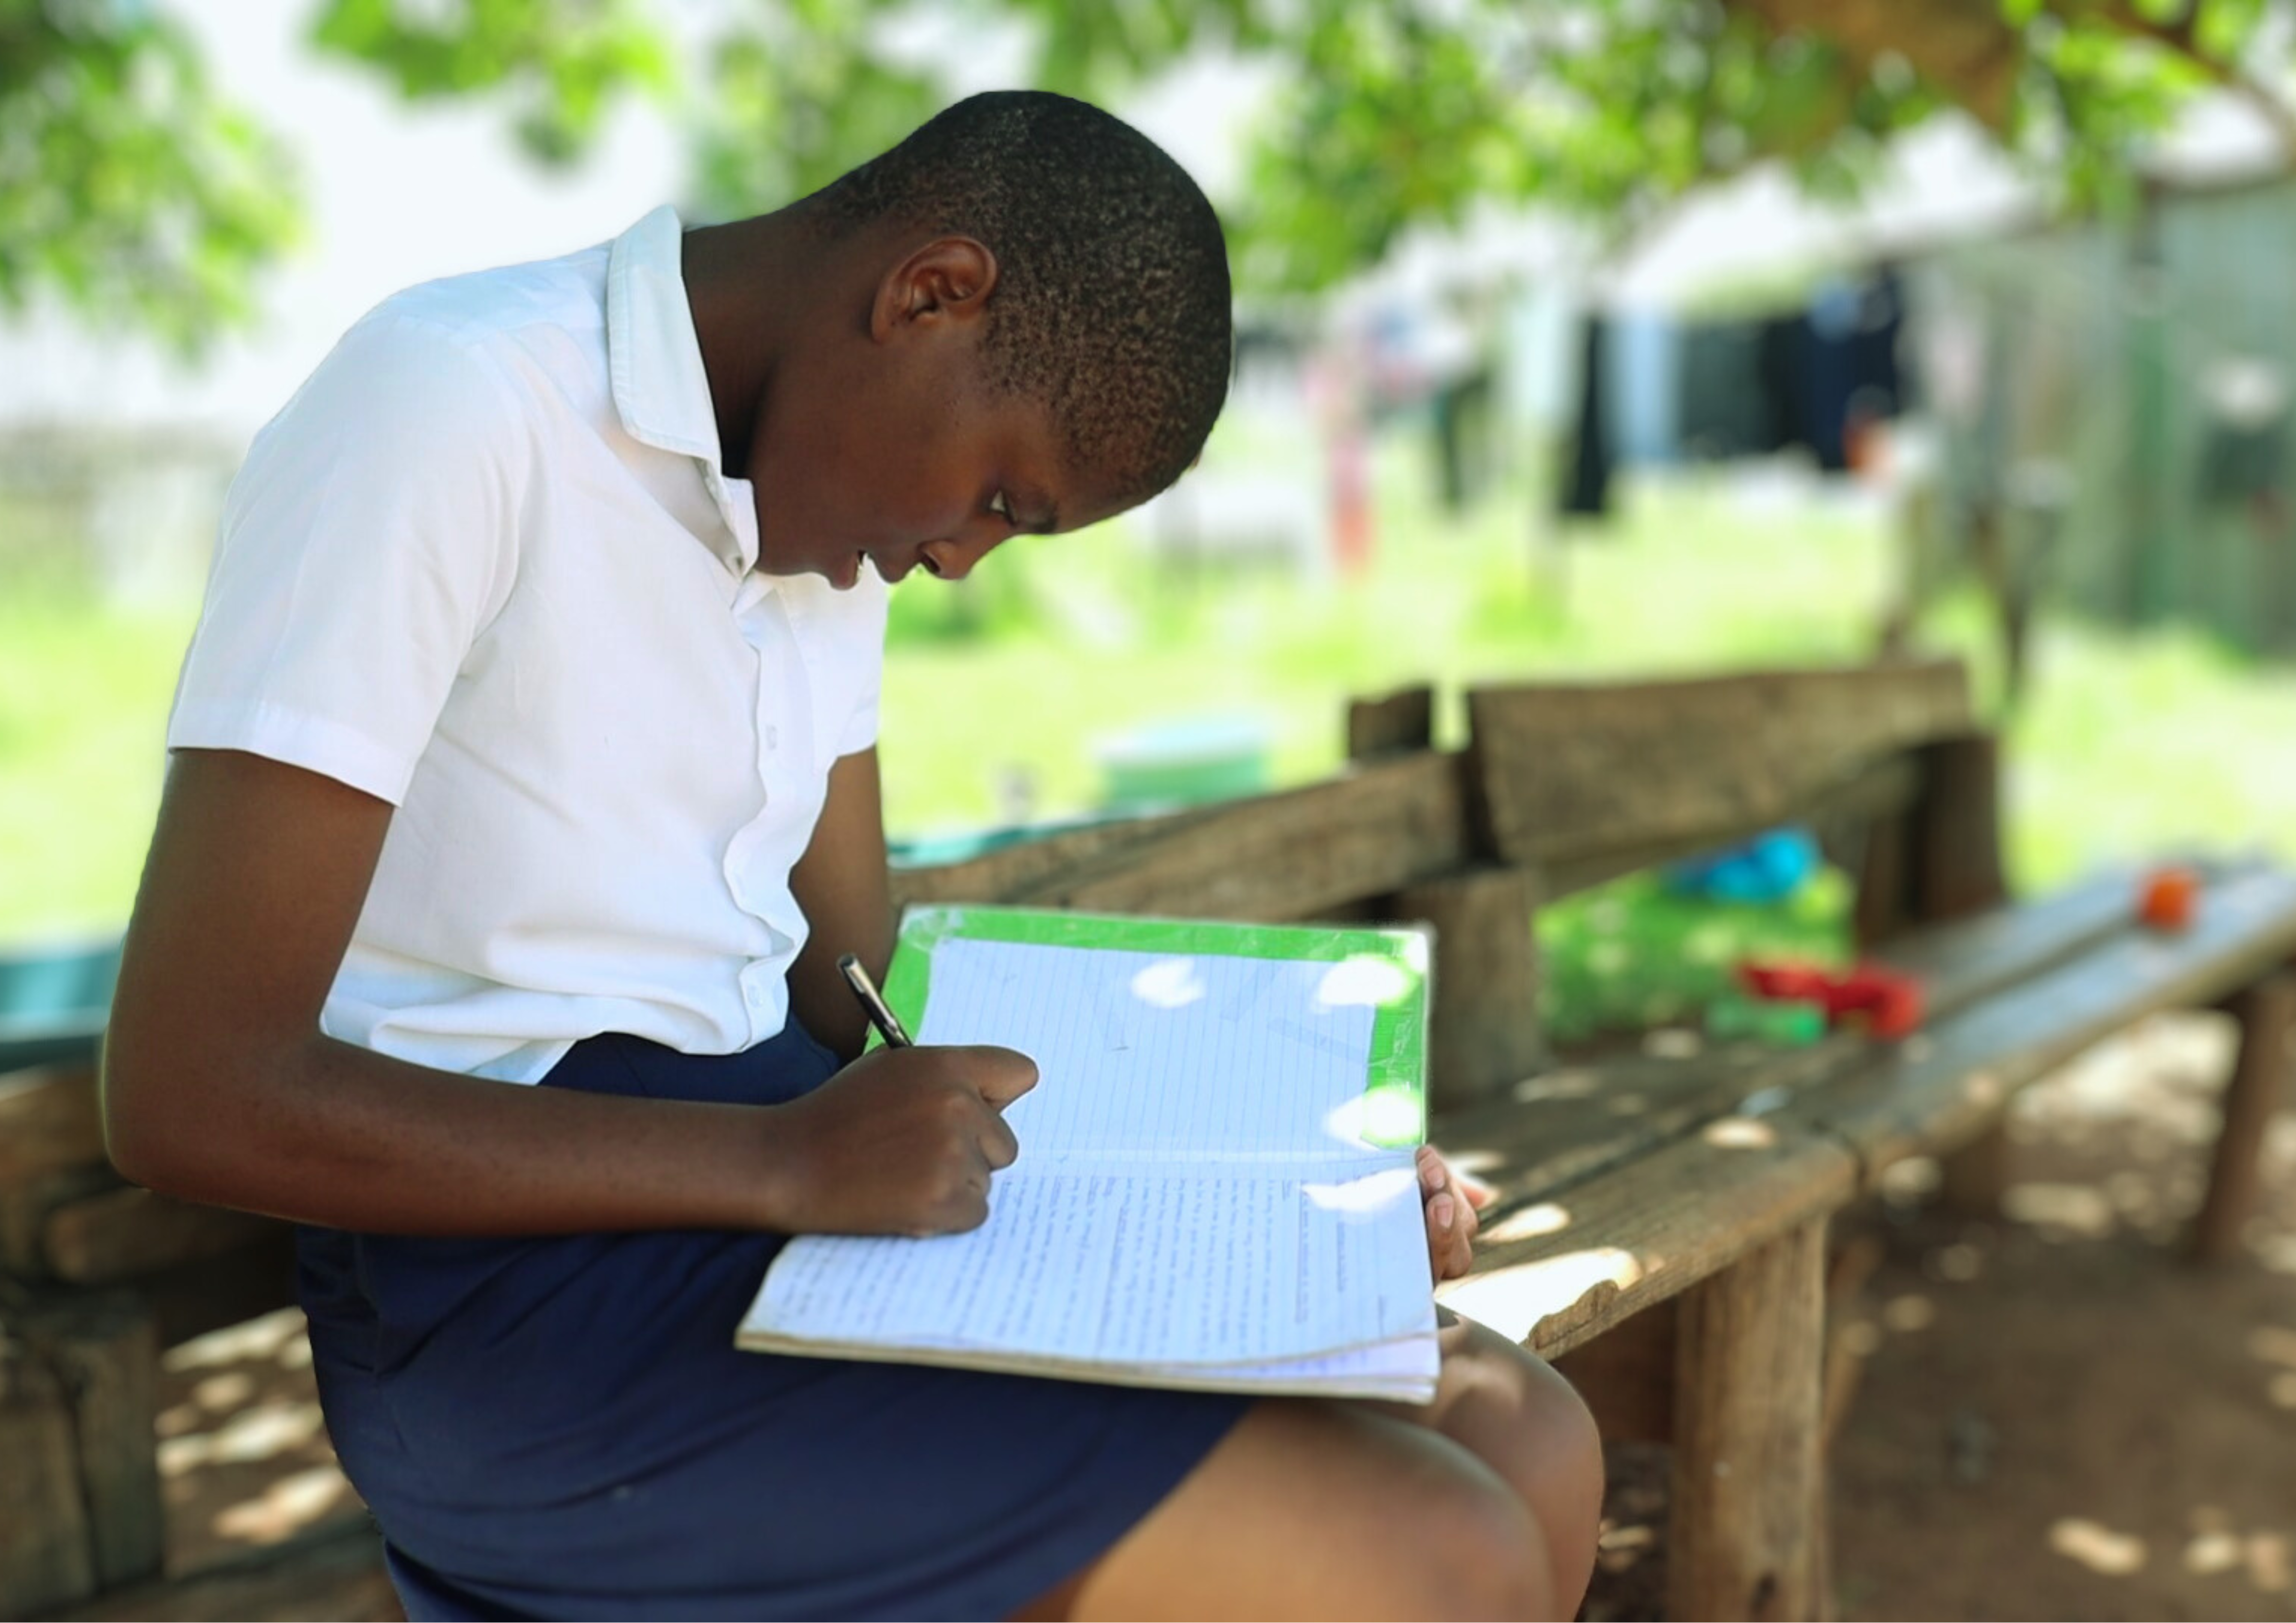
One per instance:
(1327, 1509)
(1511, 1409)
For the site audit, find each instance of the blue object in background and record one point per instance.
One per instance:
(1770, 867)
(54, 1001)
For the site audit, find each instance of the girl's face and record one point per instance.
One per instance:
(883, 446)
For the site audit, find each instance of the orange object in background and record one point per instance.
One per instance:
(2171, 896)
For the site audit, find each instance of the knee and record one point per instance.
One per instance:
(1480, 1553)
(1549, 1448)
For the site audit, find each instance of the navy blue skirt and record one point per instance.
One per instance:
(564, 1428)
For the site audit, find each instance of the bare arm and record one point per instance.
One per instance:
(219, 1087)
(840, 885)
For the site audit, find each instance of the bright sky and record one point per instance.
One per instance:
(395, 195)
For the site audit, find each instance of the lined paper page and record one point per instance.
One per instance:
(1140, 1266)
(1146, 1055)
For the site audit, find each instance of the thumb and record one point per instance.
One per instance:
(999, 1075)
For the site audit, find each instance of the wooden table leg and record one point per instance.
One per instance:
(1746, 1531)
(2266, 1013)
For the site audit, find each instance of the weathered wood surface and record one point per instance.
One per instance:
(46, 1557)
(125, 1231)
(1744, 1540)
(1383, 825)
(1959, 962)
(1941, 1088)
(51, 1141)
(1956, 829)
(334, 1570)
(1567, 772)
(1397, 723)
(1300, 854)
(83, 1368)
(1640, 1234)
(105, 1349)
(1874, 795)
(1573, 1122)
(2014, 995)
(1483, 1034)
(2266, 1013)
(49, 1120)
(1001, 874)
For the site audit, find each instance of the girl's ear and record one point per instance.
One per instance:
(949, 278)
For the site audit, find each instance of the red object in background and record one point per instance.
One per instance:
(1884, 1002)
(2171, 896)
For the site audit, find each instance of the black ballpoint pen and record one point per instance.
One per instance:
(872, 1003)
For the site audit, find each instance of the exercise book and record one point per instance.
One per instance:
(1216, 1185)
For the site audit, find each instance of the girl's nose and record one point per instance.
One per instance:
(952, 560)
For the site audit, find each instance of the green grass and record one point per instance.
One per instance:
(84, 692)
(2127, 745)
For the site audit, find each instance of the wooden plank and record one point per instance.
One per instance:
(1748, 1488)
(107, 1359)
(1383, 825)
(1569, 771)
(46, 1558)
(333, 1571)
(124, 1232)
(2266, 1013)
(1398, 722)
(1483, 1035)
(998, 876)
(1956, 829)
(1574, 1122)
(1647, 1230)
(1960, 962)
(1873, 794)
(1940, 1089)
(24, 1208)
(49, 1121)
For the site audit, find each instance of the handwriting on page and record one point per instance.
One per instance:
(1145, 1055)
(1151, 1266)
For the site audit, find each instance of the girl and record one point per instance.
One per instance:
(522, 795)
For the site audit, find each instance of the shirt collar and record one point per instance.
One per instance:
(662, 390)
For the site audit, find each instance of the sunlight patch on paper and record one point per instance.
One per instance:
(1170, 983)
(1364, 980)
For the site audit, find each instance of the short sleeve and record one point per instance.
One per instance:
(370, 538)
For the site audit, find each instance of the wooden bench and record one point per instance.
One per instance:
(1661, 1230)
(1662, 1227)
(97, 1278)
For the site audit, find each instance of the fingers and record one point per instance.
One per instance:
(1450, 1214)
(998, 1147)
(999, 1075)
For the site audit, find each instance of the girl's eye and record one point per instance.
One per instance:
(1002, 506)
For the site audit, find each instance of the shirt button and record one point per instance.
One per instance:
(773, 738)
(757, 995)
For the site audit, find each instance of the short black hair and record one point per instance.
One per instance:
(1111, 306)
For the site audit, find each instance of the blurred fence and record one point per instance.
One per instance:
(2114, 405)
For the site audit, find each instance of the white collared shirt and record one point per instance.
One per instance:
(487, 566)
